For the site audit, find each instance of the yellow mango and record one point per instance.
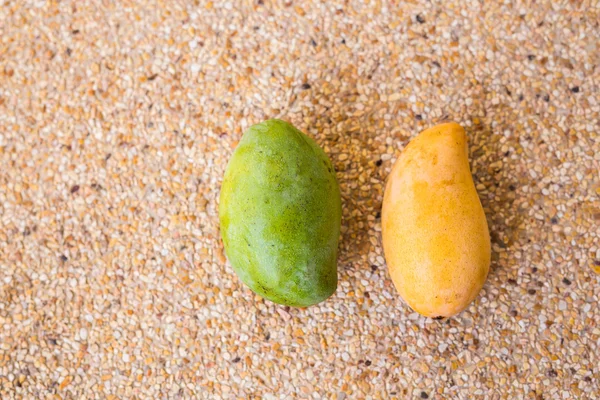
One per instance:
(435, 235)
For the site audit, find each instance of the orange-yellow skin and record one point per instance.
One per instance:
(435, 235)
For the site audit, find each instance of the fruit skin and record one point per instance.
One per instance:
(435, 235)
(280, 213)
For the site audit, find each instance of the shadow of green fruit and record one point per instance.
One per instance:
(280, 214)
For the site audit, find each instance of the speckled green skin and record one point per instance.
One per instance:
(280, 212)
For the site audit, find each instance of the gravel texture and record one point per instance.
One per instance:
(116, 123)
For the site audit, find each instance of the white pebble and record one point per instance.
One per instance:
(195, 68)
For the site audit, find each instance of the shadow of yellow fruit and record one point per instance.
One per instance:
(435, 235)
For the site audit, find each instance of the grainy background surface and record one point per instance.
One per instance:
(116, 123)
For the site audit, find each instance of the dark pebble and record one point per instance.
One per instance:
(554, 220)
(75, 189)
(305, 86)
(236, 360)
(575, 89)
(566, 281)
(368, 363)
(512, 281)
(531, 291)
(424, 395)
(552, 373)
(420, 19)
(64, 258)
(378, 163)
(373, 267)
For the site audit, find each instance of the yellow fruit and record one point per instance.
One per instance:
(435, 235)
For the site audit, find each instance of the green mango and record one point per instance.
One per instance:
(280, 212)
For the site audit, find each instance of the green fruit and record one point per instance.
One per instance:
(280, 213)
